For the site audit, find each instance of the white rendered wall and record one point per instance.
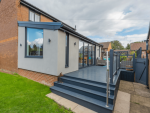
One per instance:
(73, 53)
(97, 51)
(47, 64)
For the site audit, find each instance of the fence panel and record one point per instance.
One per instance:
(139, 52)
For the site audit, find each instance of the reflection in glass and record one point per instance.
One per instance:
(90, 54)
(37, 18)
(93, 54)
(80, 54)
(85, 54)
(34, 42)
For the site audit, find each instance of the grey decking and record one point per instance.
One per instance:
(94, 73)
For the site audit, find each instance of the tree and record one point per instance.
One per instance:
(116, 45)
(128, 46)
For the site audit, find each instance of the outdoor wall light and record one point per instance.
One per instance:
(75, 43)
(20, 44)
(49, 40)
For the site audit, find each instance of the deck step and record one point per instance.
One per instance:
(86, 80)
(91, 103)
(88, 85)
(85, 91)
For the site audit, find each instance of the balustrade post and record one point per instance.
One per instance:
(111, 65)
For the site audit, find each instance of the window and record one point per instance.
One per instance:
(34, 17)
(67, 51)
(34, 42)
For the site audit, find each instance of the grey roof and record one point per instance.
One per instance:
(105, 44)
(42, 25)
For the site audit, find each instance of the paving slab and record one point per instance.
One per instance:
(141, 87)
(55, 97)
(126, 83)
(67, 103)
(81, 109)
(127, 91)
(136, 108)
(122, 104)
(126, 86)
(140, 100)
(123, 96)
(142, 93)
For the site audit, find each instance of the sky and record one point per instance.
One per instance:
(102, 20)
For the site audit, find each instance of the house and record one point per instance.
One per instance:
(137, 45)
(35, 43)
(106, 46)
(38, 46)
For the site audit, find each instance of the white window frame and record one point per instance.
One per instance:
(35, 14)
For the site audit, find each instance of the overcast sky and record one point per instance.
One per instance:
(102, 20)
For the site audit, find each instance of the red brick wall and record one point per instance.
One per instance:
(10, 12)
(38, 77)
(8, 35)
(45, 19)
(23, 13)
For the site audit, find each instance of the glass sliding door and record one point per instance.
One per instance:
(85, 54)
(90, 54)
(81, 53)
(93, 54)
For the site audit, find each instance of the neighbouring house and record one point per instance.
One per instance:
(137, 45)
(106, 47)
(38, 46)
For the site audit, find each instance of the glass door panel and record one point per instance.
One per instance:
(80, 54)
(90, 54)
(93, 54)
(85, 54)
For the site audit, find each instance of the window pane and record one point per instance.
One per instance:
(93, 54)
(85, 54)
(31, 16)
(67, 50)
(37, 18)
(80, 54)
(90, 54)
(34, 42)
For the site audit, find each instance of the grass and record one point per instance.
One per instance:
(21, 95)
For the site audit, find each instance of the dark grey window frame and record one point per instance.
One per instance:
(67, 51)
(99, 51)
(34, 16)
(26, 44)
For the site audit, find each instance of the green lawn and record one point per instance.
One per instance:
(21, 95)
